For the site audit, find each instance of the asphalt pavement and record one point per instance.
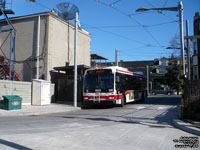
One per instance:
(29, 110)
(141, 125)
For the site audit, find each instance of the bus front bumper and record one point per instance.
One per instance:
(103, 102)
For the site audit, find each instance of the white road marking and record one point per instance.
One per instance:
(68, 126)
(159, 108)
(140, 107)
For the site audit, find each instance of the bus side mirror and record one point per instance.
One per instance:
(117, 79)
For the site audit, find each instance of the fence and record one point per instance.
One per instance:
(192, 100)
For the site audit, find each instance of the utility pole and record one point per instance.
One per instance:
(180, 9)
(75, 60)
(197, 33)
(38, 49)
(147, 80)
(188, 50)
(116, 57)
(182, 55)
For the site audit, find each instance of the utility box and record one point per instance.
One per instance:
(12, 102)
(41, 92)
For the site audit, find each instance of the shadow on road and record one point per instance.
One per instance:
(161, 120)
(158, 112)
(163, 100)
(13, 145)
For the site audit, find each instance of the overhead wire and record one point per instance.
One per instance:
(132, 26)
(123, 13)
(42, 5)
(159, 11)
(130, 55)
(128, 15)
(118, 35)
(127, 49)
(165, 3)
(112, 4)
(139, 13)
(140, 54)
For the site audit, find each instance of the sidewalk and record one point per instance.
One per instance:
(188, 126)
(28, 110)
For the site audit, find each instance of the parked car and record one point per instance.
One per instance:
(162, 91)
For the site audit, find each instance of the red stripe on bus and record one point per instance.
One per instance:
(126, 72)
(127, 92)
(110, 97)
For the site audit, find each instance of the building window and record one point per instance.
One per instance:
(162, 69)
(163, 62)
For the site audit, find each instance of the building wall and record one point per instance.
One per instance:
(22, 89)
(26, 44)
(56, 45)
(61, 45)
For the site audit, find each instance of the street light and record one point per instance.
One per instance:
(180, 9)
(175, 48)
(168, 8)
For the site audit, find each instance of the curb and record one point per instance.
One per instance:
(185, 126)
(37, 111)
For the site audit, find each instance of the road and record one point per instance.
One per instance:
(138, 126)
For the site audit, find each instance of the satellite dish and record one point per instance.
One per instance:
(67, 10)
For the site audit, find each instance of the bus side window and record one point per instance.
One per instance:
(117, 79)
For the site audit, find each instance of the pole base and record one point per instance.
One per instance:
(181, 112)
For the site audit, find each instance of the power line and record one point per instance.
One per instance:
(142, 53)
(132, 26)
(139, 13)
(124, 26)
(128, 49)
(43, 5)
(165, 3)
(131, 55)
(147, 46)
(148, 32)
(159, 11)
(149, 3)
(118, 35)
(112, 4)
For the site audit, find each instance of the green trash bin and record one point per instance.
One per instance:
(12, 102)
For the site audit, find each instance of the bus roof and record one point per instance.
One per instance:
(119, 70)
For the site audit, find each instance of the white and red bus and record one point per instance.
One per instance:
(113, 85)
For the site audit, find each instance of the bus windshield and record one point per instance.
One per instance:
(101, 80)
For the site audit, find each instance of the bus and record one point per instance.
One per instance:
(113, 85)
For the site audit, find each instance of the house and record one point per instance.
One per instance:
(159, 70)
(160, 65)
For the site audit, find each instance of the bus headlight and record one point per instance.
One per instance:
(111, 97)
(86, 98)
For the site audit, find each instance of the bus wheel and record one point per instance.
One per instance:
(143, 98)
(122, 101)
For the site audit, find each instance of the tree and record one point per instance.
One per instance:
(175, 45)
(172, 76)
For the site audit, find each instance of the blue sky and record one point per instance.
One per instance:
(137, 36)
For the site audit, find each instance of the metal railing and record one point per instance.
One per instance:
(6, 4)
